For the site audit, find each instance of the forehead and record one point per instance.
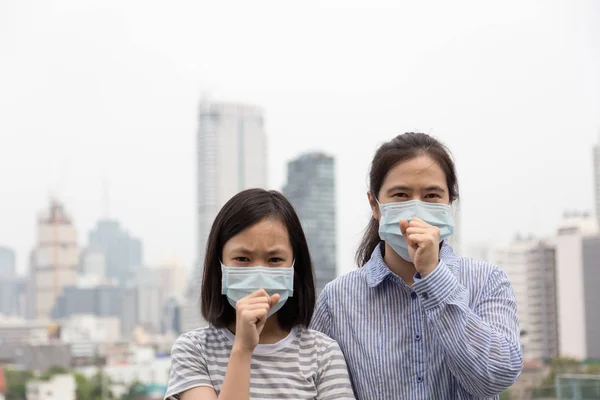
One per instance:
(419, 171)
(264, 234)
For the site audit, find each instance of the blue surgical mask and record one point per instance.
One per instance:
(239, 282)
(435, 214)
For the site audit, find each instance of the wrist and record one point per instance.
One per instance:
(241, 350)
(427, 269)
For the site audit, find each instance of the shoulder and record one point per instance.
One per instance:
(318, 343)
(196, 340)
(349, 281)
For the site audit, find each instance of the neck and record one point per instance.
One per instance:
(271, 333)
(398, 265)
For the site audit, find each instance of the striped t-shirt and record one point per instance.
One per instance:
(304, 365)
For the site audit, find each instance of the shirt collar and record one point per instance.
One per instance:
(378, 271)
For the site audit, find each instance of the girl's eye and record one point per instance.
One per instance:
(276, 260)
(241, 259)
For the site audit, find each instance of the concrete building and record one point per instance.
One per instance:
(122, 252)
(596, 157)
(54, 261)
(311, 190)
(148, 300)
(101, 300)
(530, 265)
(577, 283)
(172, 278)
(8, 266)
(58, 387)
(231, 156)
(14, 330)
(90, 328)
(93, 263)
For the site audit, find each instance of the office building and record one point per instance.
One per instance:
(7, 263)
(231, 156)
(596, 157)
(530, 265)
(54, 262)
(122, 252)
(577, 283)
(311, 190)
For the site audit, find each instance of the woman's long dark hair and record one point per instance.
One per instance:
(402, 148)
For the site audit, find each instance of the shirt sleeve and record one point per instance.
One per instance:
(188, 367)
(321, 319)
(481, 344)
(333, 380)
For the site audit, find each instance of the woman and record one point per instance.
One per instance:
(258, 295)
(417, 321)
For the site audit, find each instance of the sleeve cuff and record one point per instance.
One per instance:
(436, 287)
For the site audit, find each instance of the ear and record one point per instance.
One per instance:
(374, 206)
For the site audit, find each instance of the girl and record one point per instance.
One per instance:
(258, 296)
(417, 321)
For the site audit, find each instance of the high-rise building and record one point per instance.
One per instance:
(597, 179)
(54, 261)
(122, 252)
(7, 263)
(530, 266)
(577, 283)
(93, 263)
(11, 287)
(311, 190)
(232, 156)
(172, 278)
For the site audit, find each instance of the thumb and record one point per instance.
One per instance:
(274, 299)
(403, 226)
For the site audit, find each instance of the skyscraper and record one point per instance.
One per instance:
(311, 190)
(54, 261)
(122, 252)
(577, 282)
(232, 156)
(530, 265)
(597, 179)
(7, 263)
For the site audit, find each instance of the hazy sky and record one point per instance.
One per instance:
(95, 91)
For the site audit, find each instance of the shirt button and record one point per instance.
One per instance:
(419, 379)
(425, 295)
(413, 295)
(417, 337)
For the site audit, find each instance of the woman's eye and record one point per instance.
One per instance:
(433, 196)
(400, 195)
(275, 260)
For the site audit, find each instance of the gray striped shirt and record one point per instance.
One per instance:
(304, 365)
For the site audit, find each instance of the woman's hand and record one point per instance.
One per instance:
(423, 241)
(251, 316)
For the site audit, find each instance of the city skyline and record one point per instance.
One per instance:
(122, 107)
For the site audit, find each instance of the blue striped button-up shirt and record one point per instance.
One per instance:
(453, 335)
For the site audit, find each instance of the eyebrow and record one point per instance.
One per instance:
(433, 188)
(245, 250)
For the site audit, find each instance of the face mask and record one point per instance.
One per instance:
(239, 282)
(435, 214)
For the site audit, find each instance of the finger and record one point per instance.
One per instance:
(255, 300)
(418, 222)
(416, 229)
(255, 315)
(258, 293)
(403, 226)
(274, 299)
(421, 239)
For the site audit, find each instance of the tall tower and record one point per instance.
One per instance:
(311, 190)
(232, 156)
(597, 179)
(54, 260)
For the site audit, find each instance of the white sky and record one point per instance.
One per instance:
(109, 91)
